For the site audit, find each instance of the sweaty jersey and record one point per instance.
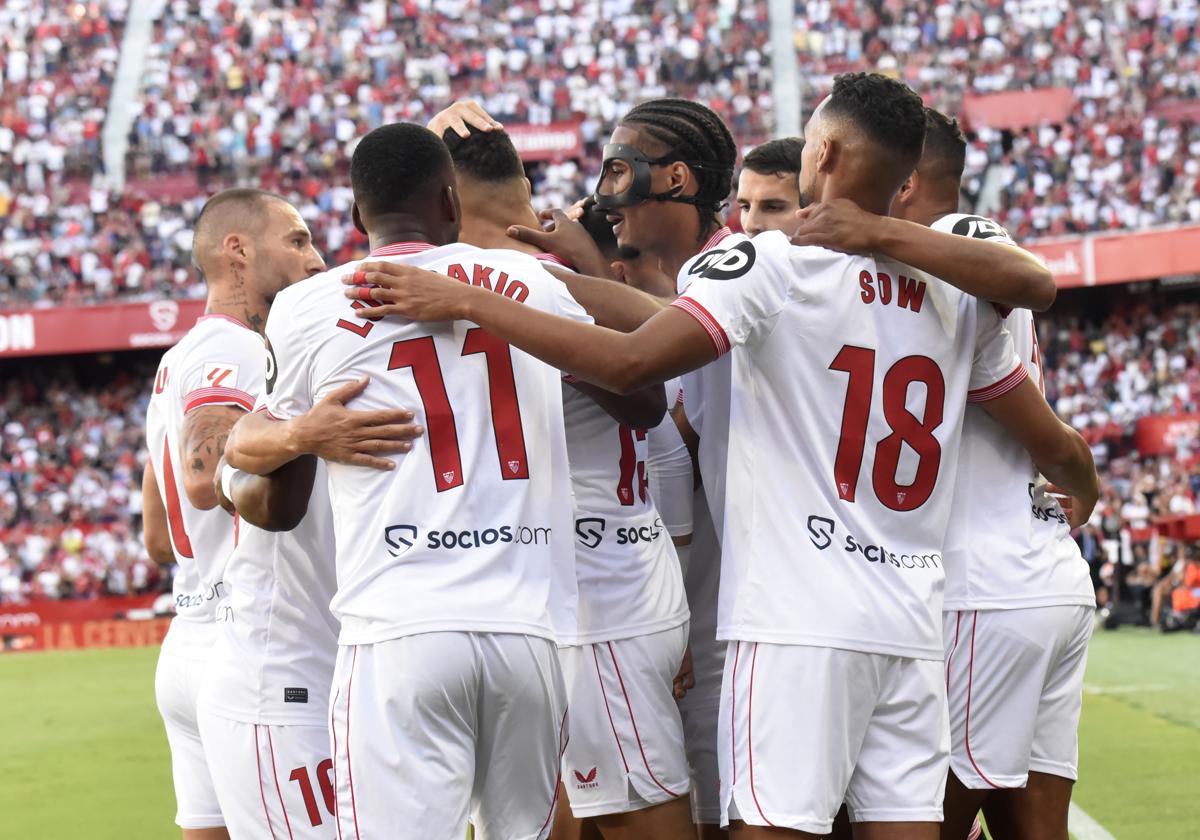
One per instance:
(273, 663)
(472, 529)
(1009, 546)
(628, 572)
(848, 390)
(219, 362)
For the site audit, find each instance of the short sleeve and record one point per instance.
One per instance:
(565, 305)
(287, 392)
(224, 368)
(738, 295)
(996, 368)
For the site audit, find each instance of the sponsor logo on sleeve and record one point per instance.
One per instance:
(978, 227)
(220, 375)
(728, 264)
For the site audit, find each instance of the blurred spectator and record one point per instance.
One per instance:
(70, 472)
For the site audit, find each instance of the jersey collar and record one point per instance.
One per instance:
(715, 239)
(399, 248)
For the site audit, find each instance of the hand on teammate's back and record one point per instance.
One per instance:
(567, 239)
(335, 433)
(840, 225)
(398, 289)
(462, 116)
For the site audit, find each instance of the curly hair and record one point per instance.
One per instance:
(887, 111)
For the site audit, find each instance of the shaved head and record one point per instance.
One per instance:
(238, 211)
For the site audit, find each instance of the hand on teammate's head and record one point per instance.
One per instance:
(462, 116)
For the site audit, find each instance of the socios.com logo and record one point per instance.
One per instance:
(400, 538)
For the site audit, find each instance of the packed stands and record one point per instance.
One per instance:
(71, 440)
(246, 91)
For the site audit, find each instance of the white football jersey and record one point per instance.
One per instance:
(629, 578)
(273, 664)
(219, 362)
(472, 529)
(1009, 546)
(848, 390)
(706, 396)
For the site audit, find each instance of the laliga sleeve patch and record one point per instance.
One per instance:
(727, 264)
(977, 227)
(220, 375)
(272, 372)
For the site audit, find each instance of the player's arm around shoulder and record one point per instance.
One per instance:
(222, 376)
(986, 266)
(1059, 452)
(275, 502)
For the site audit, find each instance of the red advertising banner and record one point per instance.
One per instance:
(1162, 434)
(553, 142)
(90, 329)
(1018, 109)
(68, 625)
(1128, 256)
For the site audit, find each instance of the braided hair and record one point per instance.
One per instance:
(701, 139)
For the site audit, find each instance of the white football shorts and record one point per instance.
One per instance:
(626, 748)
(1014, 681)
(805, 728)
(273, 782)
(182, 663)
(432, 730)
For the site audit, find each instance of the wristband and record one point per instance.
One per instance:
(227, 474)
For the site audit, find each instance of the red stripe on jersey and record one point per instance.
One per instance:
(337, 817)
(716, 333)
(750, 736)
(716, 238)
(999, 389)
(399, 248)
(262, 793)
(633, 720)
(349, 769)
(552, 258)
(604, 694)
(970, 679)
(562, 749)
(217, 396)
(278, 790)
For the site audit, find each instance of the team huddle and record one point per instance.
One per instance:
(613, 523)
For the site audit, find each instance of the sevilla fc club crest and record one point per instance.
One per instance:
(448, 476)
(586, 781)
(515, 466)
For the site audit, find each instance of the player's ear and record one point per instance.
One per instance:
(357, 217)
(451, 205)
(908, 188)
(233, 246)
(683, 178)
(528, 188)
(827, 154)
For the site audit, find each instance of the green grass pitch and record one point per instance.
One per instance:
(83, 754)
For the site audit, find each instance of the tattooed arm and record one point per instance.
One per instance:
(205, 431)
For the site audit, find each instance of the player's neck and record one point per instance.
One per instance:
(233, 298)
(382, 238)
(483, 233)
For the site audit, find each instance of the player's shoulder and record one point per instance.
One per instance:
(216, 333)
(972, 225)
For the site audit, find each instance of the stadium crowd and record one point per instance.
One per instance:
(275, 93)
(70, 501)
